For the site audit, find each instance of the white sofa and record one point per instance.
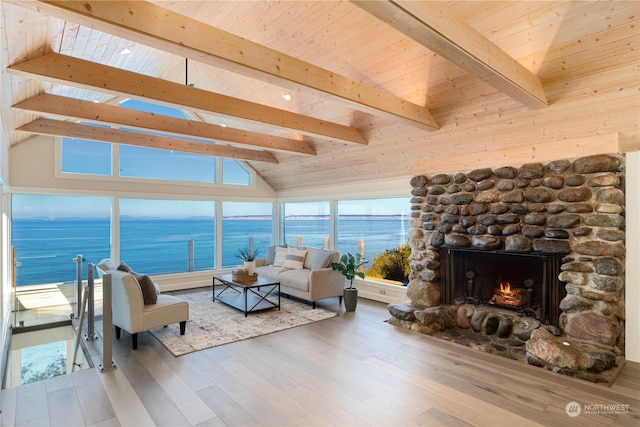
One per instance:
(129, 311)
(316, 279)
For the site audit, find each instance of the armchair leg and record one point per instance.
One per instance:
(134, 340)
(117, 332)
(314, 304)
(340, 299)
(183, 327)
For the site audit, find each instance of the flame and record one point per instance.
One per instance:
(505, 288)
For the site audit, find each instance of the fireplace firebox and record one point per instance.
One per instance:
(526, 283)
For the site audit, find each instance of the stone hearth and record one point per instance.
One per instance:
(573, 209)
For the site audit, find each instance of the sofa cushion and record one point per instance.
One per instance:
(149, 292)
(271, 253)
(270, 271)
(281, 255)
(294, 258)
(297, 279)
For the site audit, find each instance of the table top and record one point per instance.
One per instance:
(261, 281)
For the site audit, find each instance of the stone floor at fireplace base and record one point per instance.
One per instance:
(506, 347)
(505, 333)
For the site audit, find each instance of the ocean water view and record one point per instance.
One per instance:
(46, 248)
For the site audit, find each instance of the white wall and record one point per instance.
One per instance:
(632, 350)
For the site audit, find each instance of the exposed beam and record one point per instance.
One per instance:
(76, 72)
(78, 109)
(95, 133)
(152, 25)
(547, 151)
(430, 24)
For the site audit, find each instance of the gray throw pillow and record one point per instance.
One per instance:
(124, 267)
(322, 259)
(149, 293)
(271, 254)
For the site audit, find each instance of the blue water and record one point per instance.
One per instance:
(46, 248)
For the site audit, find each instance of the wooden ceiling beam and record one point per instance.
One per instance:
(67, 70)
(430, 24)
(44, 126)
(160, 28)
(72, 108)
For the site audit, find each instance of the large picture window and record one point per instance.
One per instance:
(156, 236)
(376, 228)
(245, 224)
(307, 222)
(48, 232)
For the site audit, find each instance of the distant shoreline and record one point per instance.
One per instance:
(237, 218)
(324, 217)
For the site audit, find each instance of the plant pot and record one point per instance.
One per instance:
(350, 298)
(250, 266)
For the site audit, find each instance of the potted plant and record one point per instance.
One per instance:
(249, 256)
(349, 266)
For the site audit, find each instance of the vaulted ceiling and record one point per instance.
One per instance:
(371, 87)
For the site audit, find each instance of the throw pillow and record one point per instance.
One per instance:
(322, 260)
(149, 293)
(281, 254)
(271, 254)
(124, 267)
(294, 258)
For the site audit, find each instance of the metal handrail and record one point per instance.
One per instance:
(107, 330)
(87, 306)
(91, 315)
(78, 261)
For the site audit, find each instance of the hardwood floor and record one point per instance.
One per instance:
(351, 370)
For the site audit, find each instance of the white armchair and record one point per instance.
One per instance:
(131, 314)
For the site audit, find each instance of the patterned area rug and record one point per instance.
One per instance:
(213, 323)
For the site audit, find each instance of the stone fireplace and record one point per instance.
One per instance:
(526, 261)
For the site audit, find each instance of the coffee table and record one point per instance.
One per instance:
(247, 297)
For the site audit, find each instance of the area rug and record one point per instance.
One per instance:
(213, 323)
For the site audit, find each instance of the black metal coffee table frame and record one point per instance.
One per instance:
(247, 297)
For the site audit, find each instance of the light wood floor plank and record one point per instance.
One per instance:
(185, 398)
(159, 405)
(126, 404)
(8, 410)
(226, 408)
(93, 398)
(64, 408)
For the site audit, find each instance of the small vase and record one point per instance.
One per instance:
(250, 265)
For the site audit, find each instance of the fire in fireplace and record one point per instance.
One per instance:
(507, 296)
(526, 283)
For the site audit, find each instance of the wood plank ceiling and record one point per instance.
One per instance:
(374, 86)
